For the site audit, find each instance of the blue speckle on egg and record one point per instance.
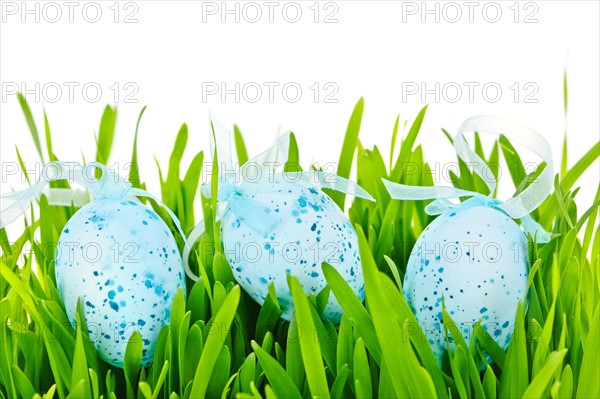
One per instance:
(126, 264)
(313, 230)
(481, 276)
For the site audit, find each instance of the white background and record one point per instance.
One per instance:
(375, 49)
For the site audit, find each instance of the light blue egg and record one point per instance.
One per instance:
(313, 230)
(120, 257)
(476, 258)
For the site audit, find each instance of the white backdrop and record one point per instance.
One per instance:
(272, 66)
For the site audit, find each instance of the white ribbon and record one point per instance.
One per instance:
(517, 207)
(109, 185)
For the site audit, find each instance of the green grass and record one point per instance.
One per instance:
(376, 351)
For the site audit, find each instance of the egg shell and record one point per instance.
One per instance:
(313, 230)
(120, 257)
(476, 258)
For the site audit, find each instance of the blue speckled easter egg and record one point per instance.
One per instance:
(122, 260)
(476, 259)
(313, 230)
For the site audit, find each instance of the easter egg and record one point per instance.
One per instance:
(121, 259)
(313, 229)
(475, 259)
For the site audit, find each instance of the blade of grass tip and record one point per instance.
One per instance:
(51, 155)
(354, 309)
(172, 182)
(448, 136)
(544, 341)
(80, 368)
(106, 134)
(568, 180)
(22, 383)
(479, 146)
(581, 166)
(589, 229)
(565, 91)
(78, 390)
(337, 389)
(22, 165)
(191, 181)
(489, 383)
(293, 357)
(132, 362)
(30, 123)
(280, 381)
(513, 161)
(561, 202)
(565, 390)
(361, 371)
(345, 344)
(145, 390)
(134, 171)
(94, 383)
(564, 163)
(161, 379)
(214, 343)
(214, 190)
(393, 146)
(219, 373)
(269, 313)
(407, 144)
(349, 148)
(6, 364)
(463, 357)
(515, 375)
(240, 145)
(309, 347)
(292, 164)
(530, 178)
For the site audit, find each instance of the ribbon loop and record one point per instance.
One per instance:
(517, 207)
(110, 184)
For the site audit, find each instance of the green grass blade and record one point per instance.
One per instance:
(280, 381)
(292, 164)
(80, 368)
(348, 149)
(515, 376)
(240, 145)
(589, 383)
(541, 382)
(132, 362)
(48, 135)
(311, 350)
(134, 167)
(31, 124)
(22, 383)
(106, 134)
(214, 343)
(569, 179)
(354, 309)
(361, 372)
